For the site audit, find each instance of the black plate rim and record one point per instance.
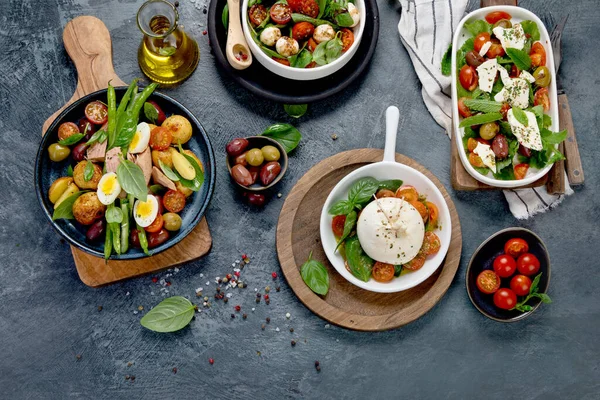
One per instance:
(290, 99)
(127, 256)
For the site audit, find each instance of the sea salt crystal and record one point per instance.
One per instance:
(127, 294)
(327, 326)
(176, 270)
(135, 312)
(288, 315)
(207, 283)
(276, 329)
(198, 290)
(229, 295)
(201, 275)
(253, 308)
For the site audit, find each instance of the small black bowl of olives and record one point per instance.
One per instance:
(256, 163)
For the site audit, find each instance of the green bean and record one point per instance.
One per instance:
(131, 200)
(143, 239)
(116, 228)
(122, 110)
(126, 133)
(107, 244)
(125, 227)
(112, 114)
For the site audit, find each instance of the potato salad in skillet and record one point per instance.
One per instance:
(502, 93)
(124, 171)
(303, 33)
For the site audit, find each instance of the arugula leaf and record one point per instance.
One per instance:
(315, 276)
(287, 136)
(469, 133)
(348, 227)
(131, 178)
(170, 315)
(341, 207)
(71, 140)
(480, 119)
(482, 170)
(295, 110)
(447, 62)
(150, 112)
(362, 191)
(88, 171)
(478, 26)
(520, 58)
(486, 106)
(513, 147)
(531, 28)
(168, 171)
(65, 209)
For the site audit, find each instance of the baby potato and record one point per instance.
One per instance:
(78, 172)
(152, 126)
(164, 156)
(186, 191)
(183, 166)
(70, 190)
(195, 157)
(180, 128)
(58, 187)
(87, 208)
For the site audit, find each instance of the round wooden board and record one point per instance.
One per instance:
(347, 305)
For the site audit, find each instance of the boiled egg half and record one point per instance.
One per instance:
(108, 188)
(141, 138)
(145, 212)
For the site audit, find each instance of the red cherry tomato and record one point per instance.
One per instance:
(537, 55)
(308, 7)
(505, 299)
(281, 61)
(496, 16)
(311, 45)
(281, 13)
(504, 266)
(383, 272)
(337, 225)
(521, 170)
(257, 14)
(496, 50)
(416, 263)
(156, 225)
(67, 129)
(347, 37)
(514, 71)
(463, 110)
(468, 77)
(520, 284)
(515, 247)
(504, 111)
(160, 138)
(488, 281)
(302, 30)
(174, 201)
(541, 98)
(96, 112)
(528, 264)
(480, 40)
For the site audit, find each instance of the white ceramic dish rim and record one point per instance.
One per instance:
(303, 73)
(519, 14)
(396, 171)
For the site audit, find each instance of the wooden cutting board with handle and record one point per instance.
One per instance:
(88, 43)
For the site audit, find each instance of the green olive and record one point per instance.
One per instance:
(270, 153)
(58, 152)
(172, 221)
(503, 23)
(542, 76)
(489, 130)
(255, 157)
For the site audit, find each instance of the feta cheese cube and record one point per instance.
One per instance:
(529, 136)
(487, 74)
(512, 37)
(487, 155)
(484, 49)
(515, 91)
(527, 76)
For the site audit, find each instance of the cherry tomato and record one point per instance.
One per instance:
(421, 208)
(468, 77)
(528, 264)
(480, 40)
(96, 112)
(161, 114)
(156, 225)
(537, 55)
(407, 193)
(504, 111)
(463, 110)
(347, 37)
(381, 193)
(521, 170)
(383, 272)
(431, 244)
(311, 64)
(174, 201)
(161, 207)
(541, 98)
(281, 13)
(472, 143)
(309, 7)
(514, 71)
(488, 281)
(67, 129)
(434, 214)
(505, 266)
(282, 61)
(505, 299)
(257, 14)
(311, 45)
(302, 30)
(475, 160)
(416, 263)
(337, 225)
(496, 16)
(520, 284)
(157, 238)
(295, 5)
(515, 247)
(495, 50)
(160, 138)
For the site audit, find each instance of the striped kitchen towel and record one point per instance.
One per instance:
(426, 29)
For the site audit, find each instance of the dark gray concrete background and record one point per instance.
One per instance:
(48, 316)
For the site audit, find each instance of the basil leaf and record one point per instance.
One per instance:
(198, 180)
(342, 207)
(520, 58)
(531, 28)
(167, 51)
(486, 106)
(549, 137)
(534, 285)
(348, 227)
(157, 189)
(303, 59)
(333, 49)
(520, 116)
(315, 276)
(397, 270)
(295, 110)
(88, 171)
(523, 307)
(322, 6)
(344, 20)
(225, 16)
(447, 62)
(362, 191)
(70, 170)
(150, 112)
(170, 315)
(98, 136)
(76, 137)
(285, 134)
(478, 26)
(113, 214)
(480, 119)
(65, 208)
(359, 262)
(131, 178)
(390, 184)
(168, 171)
(544, 297)
(296, 17)
(319, 55)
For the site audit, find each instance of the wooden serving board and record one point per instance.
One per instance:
(88, 43)
(347, 305)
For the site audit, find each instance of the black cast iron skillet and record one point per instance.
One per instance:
(47, 171)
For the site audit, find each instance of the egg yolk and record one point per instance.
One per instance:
(135, 140)
(144, 209)
(109, 184)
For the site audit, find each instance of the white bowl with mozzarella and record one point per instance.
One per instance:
(388, 169)
(460, 36)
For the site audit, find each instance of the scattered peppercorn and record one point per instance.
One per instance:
(211, 361)
(205, 298)
(154, 279)
(140, 308)
(204, 32)
(232, 315)
(266, 297)
(262, 327)
(268, 320)
(237, 273)
(237, 308)
(268, 289)
(334, 136)
(292, 330)
(174, 370)
(317, 363)
(318, 368)
(168, 283)
(225, 300)
(129, 364)
(99, 308)
(225, 280)
(132, 378)
(278, 288)
(78, 357)
(176, 4)
(274, 275)
(245, 316)
(293, 342)
(267, 301)
(219, 280)
(258, 295)
(127, 377)
(228, 276)
(218, 289)
(258, 299)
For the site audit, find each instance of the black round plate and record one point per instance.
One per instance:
(263, 82)
(47, 171)
(483, 258)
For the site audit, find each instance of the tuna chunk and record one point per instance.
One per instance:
(113, 159)
(97, 151)
(144, 161)
(161, 179)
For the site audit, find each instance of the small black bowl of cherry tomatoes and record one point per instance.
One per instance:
(509, 274)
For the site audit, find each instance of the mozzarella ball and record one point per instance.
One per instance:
(286, 46)
(353, 11)
(270, 35)
(323, 33)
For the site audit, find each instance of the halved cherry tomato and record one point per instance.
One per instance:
(161, 114)
(521, 170)
(528, 264)
(434, 215)
(295, 5)
(463, 110)
(311, 64)
(281, 13)
(384, 193)
(421, 208)
(475, 160)
(468, 77)
(505, 299)
(96, 112)
(514, 71)
(302, 30)
(383, 272)
(505, 266)
(337, 225)
(161, 207)
(504, 111)
(431, 244)
(496, 16)
(308, 7)
(160, 138)
(520, 284)
(515, 247)
(488, 281)
(311, 45)
(67, 129)
(347, 37)
(156, 225)
(472, 143)
(174, 201)
(416, 263)
(537, 55)
(257, 14)
(541, 98)
(480, 40)
(496, 49)
(407, 193)
(282, 61)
